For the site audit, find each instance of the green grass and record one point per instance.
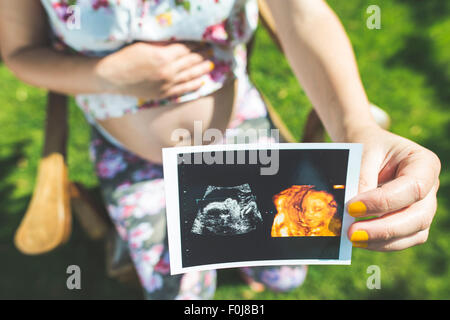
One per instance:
(405, 69)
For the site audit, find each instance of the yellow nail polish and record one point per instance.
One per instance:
(359, 236)
(211, 66)
(357, 209)
(359, 244)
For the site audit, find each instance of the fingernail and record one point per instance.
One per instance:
(359, 244)
(359, 236)
(357, 209)
(359, 239)
(211, 66)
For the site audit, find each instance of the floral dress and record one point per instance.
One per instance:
(100, 27)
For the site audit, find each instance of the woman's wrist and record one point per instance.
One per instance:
(103, 73)
(353, 132)
(354, 125)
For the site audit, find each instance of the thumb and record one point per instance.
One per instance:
(370, 168)
(368, 180)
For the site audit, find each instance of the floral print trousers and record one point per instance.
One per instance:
(133, 190)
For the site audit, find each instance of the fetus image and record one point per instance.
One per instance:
(227, 211)
(304, 211)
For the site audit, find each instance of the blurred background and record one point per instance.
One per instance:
(405, 67)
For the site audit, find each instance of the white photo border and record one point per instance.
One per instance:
(170, 166)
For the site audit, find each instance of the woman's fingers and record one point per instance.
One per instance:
(395, 244)
(416, 174)
(182, 88)
(384, 231)
(174, 51)
(198, 70)
(188, 60)
(398, 184)
(186, 73)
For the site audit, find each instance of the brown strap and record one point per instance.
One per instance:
(56, 127)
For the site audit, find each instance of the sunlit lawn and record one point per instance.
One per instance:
(405, 70)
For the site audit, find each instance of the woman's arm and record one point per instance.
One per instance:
(144, 70)
(27, 52)
(399, 179)
(322, 59)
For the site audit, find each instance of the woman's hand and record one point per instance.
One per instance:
(398, 184)
(154, 71)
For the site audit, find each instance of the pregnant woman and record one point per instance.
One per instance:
(141, 69)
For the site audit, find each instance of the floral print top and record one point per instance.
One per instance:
(100, 27)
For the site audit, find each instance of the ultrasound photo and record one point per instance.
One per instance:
(227, 211)
(226, 215)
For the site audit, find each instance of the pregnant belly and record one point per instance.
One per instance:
(147, 131)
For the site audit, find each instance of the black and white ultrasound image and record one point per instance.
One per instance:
(227, 211)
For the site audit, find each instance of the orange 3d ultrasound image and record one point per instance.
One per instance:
(304, 211)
